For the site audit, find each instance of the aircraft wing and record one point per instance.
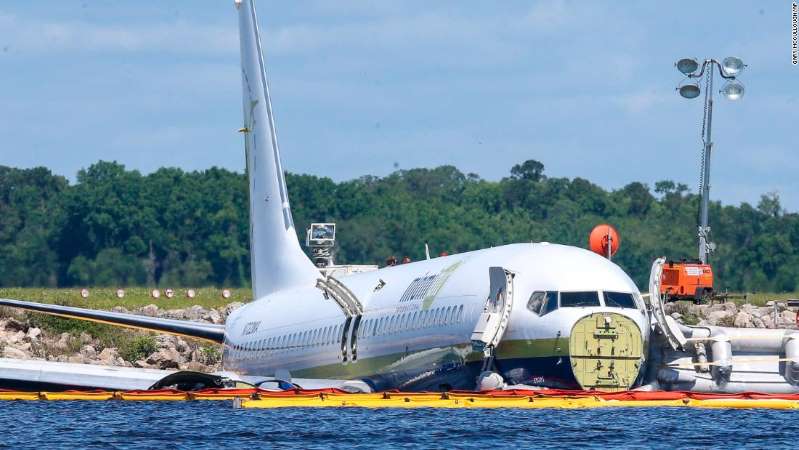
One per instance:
(206, 331)
(50, 375)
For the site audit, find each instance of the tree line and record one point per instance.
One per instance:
(118, 227)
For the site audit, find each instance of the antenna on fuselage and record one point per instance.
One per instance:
(426, 251)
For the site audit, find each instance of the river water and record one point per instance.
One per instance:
(193, 425)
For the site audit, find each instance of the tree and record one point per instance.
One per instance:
(530, 170)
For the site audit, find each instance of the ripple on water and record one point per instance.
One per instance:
(216, 424)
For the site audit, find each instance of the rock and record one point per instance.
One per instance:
(788, 317)
(14, 353)
(196, 312)
(181, 346)
(88, 352)
(108, 356)
(178, 314)
(34, 333)
(768, 321)
(714, 307)
(13, 324)
(764, 311)
(717, 316)
(24, 346)
(195, 366)
(85, 338)
(676, 316)
(13, 338)
(758, 322)
(120, 309)
(742, 320)
(748, 308)
(165, 359)
(213, 316)
(149, 310)
(166, 341)
(731, 307)
(142, 364)
(62, 343)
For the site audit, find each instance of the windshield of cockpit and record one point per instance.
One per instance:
(544, 302)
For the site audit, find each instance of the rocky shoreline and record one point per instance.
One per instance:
(773, 315)
(21, 339)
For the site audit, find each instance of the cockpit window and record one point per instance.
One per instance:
(536, 301)
(577, 299)
(543, 302)
(620, 300)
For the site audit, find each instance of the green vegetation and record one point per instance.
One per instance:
(136, 297)
(137, 348)
(116, 227)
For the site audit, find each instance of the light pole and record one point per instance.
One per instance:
(729, 68)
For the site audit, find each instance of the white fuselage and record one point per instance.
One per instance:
(418, 319)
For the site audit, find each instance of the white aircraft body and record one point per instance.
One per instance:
(530, 313)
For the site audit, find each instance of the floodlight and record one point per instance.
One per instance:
(687, 66)
(321, 235)
(690, 90)
(732, 65)
(733, 90)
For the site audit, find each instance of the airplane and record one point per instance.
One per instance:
(536, 314)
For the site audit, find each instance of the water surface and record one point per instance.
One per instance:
(145, 425)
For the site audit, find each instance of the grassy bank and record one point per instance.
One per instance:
(105, 298)
(760, 299)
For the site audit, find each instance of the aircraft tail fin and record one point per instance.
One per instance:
(278, 261)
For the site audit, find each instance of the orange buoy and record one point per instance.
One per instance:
(604, 240)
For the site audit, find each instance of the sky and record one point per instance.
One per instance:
(365, 87)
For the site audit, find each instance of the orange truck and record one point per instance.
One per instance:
(687, 280)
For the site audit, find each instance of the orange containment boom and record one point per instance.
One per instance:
(685, 280)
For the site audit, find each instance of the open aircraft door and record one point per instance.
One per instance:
(493, 322)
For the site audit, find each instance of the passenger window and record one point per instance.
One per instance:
(460, 314)
(579, 299)
(620, 300)
(550, 303)
(537, 300)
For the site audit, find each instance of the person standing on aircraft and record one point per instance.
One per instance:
(391, 261)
